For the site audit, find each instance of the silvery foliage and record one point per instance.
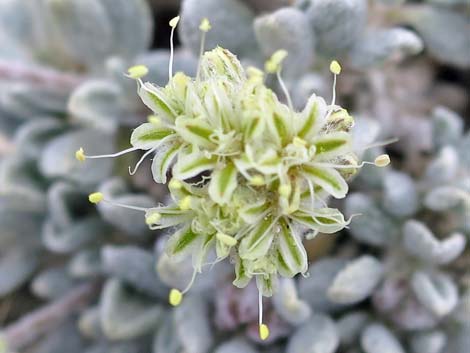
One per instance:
(404, 297)
(62, 85)
(312, 31)
(420, 225)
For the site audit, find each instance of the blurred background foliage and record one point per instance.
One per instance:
(79, 278)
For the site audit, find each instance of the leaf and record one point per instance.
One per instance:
(267, 284)
(279, 125)
(318, 335)
(164, 156)
(332, 145)
(312, 118)
(125, 315)
(148, 136)
(419, 241)
(154, 98)
(195, 131)
(356, 281)
(191, 164)
(242, 278)
(180, 243)
(257, 242)
(291, 254)
(328, 178)
(268, 162)
(288, 305)
(435, 291)
(223, 183)
(253, 212)
(377, 338)
(324, 220)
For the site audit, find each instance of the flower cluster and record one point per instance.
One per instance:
(249, 174)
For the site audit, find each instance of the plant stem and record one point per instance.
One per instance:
(29, 328)
(39, 75)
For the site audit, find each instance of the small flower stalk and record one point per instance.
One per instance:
(249, 175)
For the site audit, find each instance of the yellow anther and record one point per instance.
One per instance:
(175, 184)
(153, 119)
(205, 25)
(80, 155)
(285, 190)
(185, 203)
(274, 63)
(257, 180)
(335, 67)
(175, 297)
(226, 239)
(263, 332)
(95, 197)
(137, 71)
(382, 161)
(153, 218)
(299, 142)
(174, 22)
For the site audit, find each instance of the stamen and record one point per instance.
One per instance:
(175, 297)
(274, 65)
(153, 119)
(175, 184)
(335, 69)
(98, 197)
(137, 72)
(382, 161)
(379, 144)
(185, 203)
(81, 156)
(263, 328)
(285, 90)
(204, 27)
(257, 180)
(132, 172)
(191, 282)
(95, 197)
(153, 218)
(173, 23)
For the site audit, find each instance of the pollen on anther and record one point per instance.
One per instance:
(205, 25)
(153, 218)
(257, 180)
(174, 22)
(153, 119)
(175, 184)
(274, 63)
(137, 71)
(382, 161)
(80, 155)
(263, 332)
(185, 203)
(335, 67)
(95, 197)
(175, 297)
